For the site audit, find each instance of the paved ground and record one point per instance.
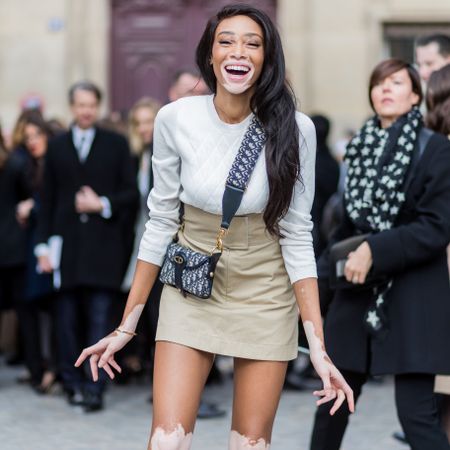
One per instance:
(29, 421)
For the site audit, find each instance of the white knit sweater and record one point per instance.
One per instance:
(192, 154)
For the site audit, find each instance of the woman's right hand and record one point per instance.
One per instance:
(102, 354)
(44, 264)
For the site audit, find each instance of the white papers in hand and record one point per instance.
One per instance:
(55, 248)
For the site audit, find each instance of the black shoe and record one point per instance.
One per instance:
(75, 397)
(209, 411)
(93, 402)
(14, 360)
(400, 436)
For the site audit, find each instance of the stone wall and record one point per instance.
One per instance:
(331, 47)
(45, 45)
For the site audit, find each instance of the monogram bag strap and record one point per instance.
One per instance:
(239, 175)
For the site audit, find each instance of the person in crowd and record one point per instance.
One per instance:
(185, 84)
(140, 135)
(267, 269)
(17, 133)
(438, 119)
(88, 187)
(432, 53)
(56, 126)
(14, 187)
(141, 124)
(38, 287)
(115, 121)
(390, 304)
(327, 178)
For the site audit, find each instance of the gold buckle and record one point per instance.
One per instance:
(219, 240)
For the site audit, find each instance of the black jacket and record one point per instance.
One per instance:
(14, 187)
(413, 254)
(94, 250)
(327, 178)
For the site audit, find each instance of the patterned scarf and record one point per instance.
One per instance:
(378, 160)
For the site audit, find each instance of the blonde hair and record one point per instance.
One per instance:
(136, 144)
(19, 128)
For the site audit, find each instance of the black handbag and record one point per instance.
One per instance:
(192, 272)
(338, 257)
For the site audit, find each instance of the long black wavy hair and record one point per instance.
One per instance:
(273, 102)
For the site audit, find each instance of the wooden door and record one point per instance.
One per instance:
(153, 39)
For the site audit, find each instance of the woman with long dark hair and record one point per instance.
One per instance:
(37, 296)
(390, 309)
(267, 270)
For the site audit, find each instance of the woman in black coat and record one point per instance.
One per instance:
(37, 296)
(398, 192)
(14, 187)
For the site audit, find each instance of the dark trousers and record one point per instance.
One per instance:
(31, 328)
(416, 409)
(12, 281)
(82, 319)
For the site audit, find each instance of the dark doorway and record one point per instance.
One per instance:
(153, 39)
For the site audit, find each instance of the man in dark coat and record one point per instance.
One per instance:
(89, 187)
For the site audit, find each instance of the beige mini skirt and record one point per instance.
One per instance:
(252, 312)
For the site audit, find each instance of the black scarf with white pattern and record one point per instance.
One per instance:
(378, 160)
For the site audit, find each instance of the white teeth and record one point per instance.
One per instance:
(238, 68)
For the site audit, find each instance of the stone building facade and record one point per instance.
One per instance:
(132, 47)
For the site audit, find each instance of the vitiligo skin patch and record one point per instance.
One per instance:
(315, 344)
(172, 440)
(240, 442)
(132, 319)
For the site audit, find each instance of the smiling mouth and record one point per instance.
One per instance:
(238, 70)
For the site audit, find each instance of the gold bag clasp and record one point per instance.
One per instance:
(219, 240)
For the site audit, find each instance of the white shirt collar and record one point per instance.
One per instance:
(79, 133)
(82, 140)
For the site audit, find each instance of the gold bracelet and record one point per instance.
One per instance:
(130, 333)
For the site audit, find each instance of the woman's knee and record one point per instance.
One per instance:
(247, 441)
(176, 439)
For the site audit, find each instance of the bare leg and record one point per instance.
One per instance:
(178, 381)
(257, 390)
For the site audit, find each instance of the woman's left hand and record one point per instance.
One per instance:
(334, 384)
(358, 264)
